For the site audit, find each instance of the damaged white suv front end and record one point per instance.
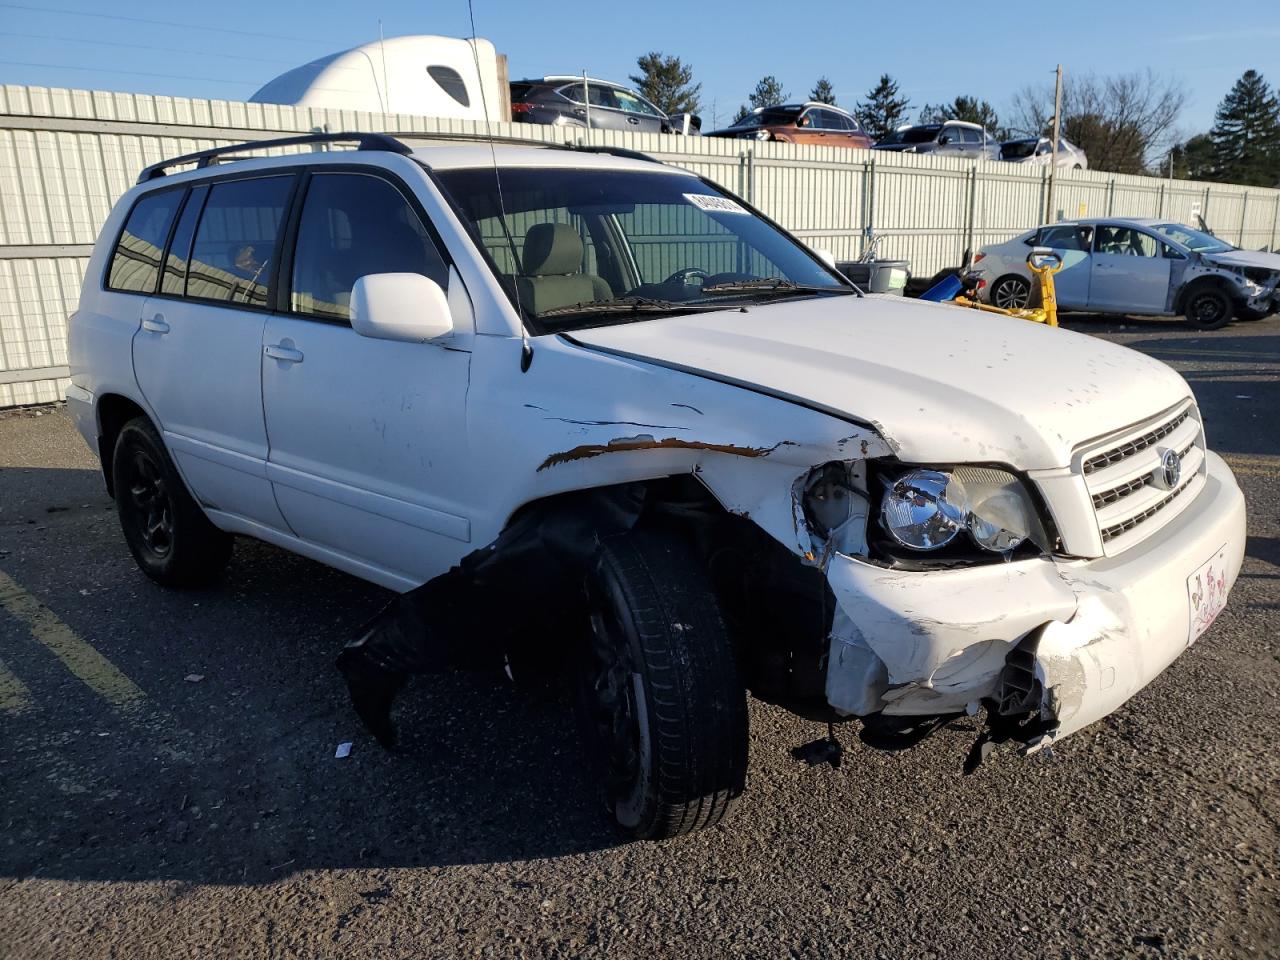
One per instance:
(1007, 541)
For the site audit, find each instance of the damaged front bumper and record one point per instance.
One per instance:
(1058, 644)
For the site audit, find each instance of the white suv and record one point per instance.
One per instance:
(574, 400)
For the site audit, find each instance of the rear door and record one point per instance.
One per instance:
(1071, 242)
(367, 436)
(1130, 274)
(197, 354)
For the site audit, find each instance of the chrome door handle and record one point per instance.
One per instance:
(632, 120)
(156, 324)
(283, 351)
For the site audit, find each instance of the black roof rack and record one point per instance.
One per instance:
(378, 141)
(202, 159)
(527, 141)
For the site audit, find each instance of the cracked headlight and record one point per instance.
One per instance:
(926, 510)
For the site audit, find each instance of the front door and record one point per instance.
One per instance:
(367, 437)
(1129, 273)
(197, 354)
(639, 116)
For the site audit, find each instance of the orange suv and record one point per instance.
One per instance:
(814, 123)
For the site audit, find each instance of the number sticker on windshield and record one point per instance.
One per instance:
(713, 204)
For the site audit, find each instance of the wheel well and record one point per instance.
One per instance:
(777, 609)
(114, 411)
(1198, 283)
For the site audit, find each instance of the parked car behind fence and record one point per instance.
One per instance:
(819, 124)
(954, 138)
(600, 104)
(1039, 151)
(1138, 266)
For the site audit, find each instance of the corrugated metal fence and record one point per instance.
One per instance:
(67, 155)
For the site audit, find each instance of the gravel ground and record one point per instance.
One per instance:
(212, 819)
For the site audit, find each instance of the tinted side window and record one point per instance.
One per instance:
(1064, 238)
(175, 265)
(352, 226)
(236, 239)
(135, 265)
(628, 101)
(574, 92)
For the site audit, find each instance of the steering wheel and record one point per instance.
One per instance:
(683, 276)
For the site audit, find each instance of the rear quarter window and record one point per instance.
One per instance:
(135, 262)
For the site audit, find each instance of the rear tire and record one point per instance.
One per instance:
(1207, 307)
(665, 706)
(168, 534)
(1011, 292)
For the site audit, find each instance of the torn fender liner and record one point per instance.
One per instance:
(459, 619)
(646, 442)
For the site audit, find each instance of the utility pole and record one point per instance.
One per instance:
(1057, 132)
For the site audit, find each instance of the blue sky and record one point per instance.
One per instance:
(227, 48)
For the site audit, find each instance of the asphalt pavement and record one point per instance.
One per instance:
(169, 786)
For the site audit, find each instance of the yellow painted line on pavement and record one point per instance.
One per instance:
(14, 695)
(77, 655)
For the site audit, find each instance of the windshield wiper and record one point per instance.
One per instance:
(770, 285)
(624, 305)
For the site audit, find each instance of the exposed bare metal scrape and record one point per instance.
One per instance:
(625, 444)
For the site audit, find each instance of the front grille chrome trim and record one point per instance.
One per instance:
(1121, 475)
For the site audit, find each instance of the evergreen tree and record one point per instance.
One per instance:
(1246, 133)
(883, 110)
(1193, 160)
(769, 92)
(667, 84)
(823, 92)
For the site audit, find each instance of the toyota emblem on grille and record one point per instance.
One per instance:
(1170, 471)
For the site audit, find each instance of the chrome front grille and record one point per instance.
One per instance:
(1124, 476)
(1136, 445)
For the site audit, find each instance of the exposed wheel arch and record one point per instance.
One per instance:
(114, 411)
(1008, 281)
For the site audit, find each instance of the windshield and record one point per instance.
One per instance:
(591, 247)
(1018, 149)
(768, 117)
(1194, 240)
(925, 134)
(588, 247)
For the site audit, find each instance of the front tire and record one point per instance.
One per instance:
(168, 534)
(1207, 308)
(664, 702)
(1011, 292)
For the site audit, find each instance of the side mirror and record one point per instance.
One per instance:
(400, 306)
(1041, 257)
(944, 139)
(826, 256)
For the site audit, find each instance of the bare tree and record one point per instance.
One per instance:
(1124, 122)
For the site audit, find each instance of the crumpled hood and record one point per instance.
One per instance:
(1246, 258)
(940, 383)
